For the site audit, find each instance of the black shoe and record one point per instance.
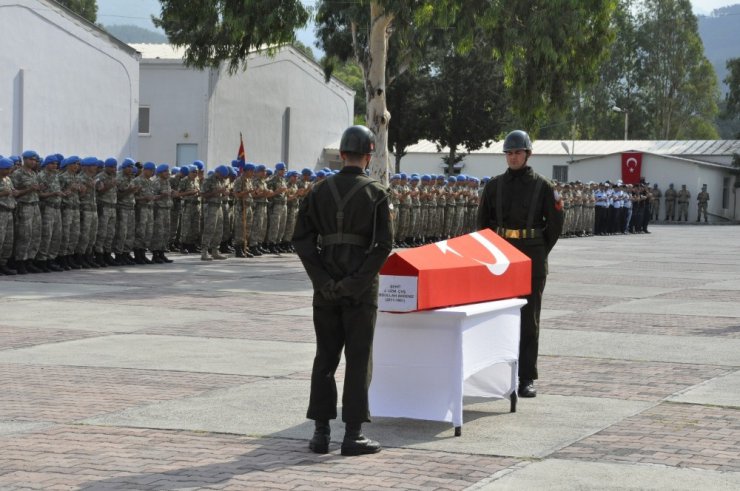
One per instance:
(7, 271)
(108, 258)
(90, 258)
(355, 443)
(526, 388)
(53, 266)
(157, 258)
(20, 267)
(164, 258)
(239, 253)
(319, 443)
(255, 251)
(31, 268)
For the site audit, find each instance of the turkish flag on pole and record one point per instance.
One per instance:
(241, 155)
(631, 168)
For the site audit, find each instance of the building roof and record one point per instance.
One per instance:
(664, 155)
(601, 147)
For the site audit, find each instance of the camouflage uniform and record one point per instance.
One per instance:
(162, 213)
(212, 214)
(259, 225)
(88, 214)
(683, 203)
(279, 209)
(123, 241)
(190, 220)
(70, 234)
(51, 215)
(243, 210)
(703, 199)
(144, 212)
(28, 215)
(293, 204)
(106, 211)
(7, 206)
(176, 210)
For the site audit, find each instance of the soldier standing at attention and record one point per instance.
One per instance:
(107, 190)
(243, 211)
(683, 198)
(523, 207)
(212, 190)
(351, 214)
(655, 202)
(703, 199)
(145, 198)
(162, 189)
(190, 219)
(28, 214)
(7, 205)
(123, 240)
(50, 203)
(670, 203)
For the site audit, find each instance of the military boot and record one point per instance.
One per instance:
(4, 269)
(216, 254)
(157, 258)
(41, 265)
(30, 267)
(53, 266)
(131, 260)
(255, 251)
(355, 443)
(164, 258)
(239, 252)
(20, 267)
(80, 260)
(319, 443)
(137, 256)
(204, 256)
(143, 256)
(108, 258)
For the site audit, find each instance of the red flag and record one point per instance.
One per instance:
(631, 168)
(241, 156)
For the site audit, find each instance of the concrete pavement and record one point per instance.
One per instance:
(195, 376)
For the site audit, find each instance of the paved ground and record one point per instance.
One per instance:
(195, 376)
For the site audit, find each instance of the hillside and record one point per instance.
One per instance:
(134, 34)
(720, 33)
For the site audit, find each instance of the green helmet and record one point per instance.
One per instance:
(357, 139)
(517, 140)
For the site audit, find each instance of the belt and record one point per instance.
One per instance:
(5, 209)
(24, 203)
(346, 239)
(530, 233)
(108, 205)
(51, 205)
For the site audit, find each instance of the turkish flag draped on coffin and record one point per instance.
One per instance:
(631, 167)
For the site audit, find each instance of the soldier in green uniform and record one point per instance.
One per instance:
(656, 194)
(670, 203)
(243, 211)
(7, 205)
(350, 212)
(524, 208)
(70, 210)
(162, 213)
(683, 198)
(145, 198)
(703, 200)
(28, 215)
(107, 191)
(123, 240)
(212, 190)
(190, 217)
(50, 202)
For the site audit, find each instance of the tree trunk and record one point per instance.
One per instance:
(451, 160)
(378, 116)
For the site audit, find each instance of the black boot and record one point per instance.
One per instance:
(129, 258)
(255, 251)
(20, 267)
(239, 252)
(52, 266)
(156, 258)
(90, 258)
(42, 266)
(80, 260)
(355, 443)
(64, 262)
(164, 258)
(319, 443)
(146, 259)
(4, 269)
(30, 267)
(526, 388)
(108, 258)
(138, 256)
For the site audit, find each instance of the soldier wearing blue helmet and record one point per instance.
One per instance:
(188, 191)
(145, 199)
(523, 207)
(50, 202)
(28, 215)
(126, 189)
(244, 211)
(278, 209)
(176, 210)
(106, 187)
(258, 232)
(162, 191)
(212, 190)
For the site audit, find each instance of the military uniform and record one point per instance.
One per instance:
(88, 211)
(683, 198)
(107, 191)
(162, 212)
(655, 203)
(212, 190)
(7, 206)
(51, 215)
(68, 181)
(28, 215)
(243, 211)
(703, 200)
(278, 209)
(123, 240)
(521, 206)
(351, 259)
(190, 219)
(144, 214)
(259, 224)
(670, 203)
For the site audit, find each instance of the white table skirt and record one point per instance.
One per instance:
(425, 362)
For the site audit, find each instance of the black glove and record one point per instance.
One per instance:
(329, 291)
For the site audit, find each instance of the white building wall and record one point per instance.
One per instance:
(177, 98)
(67, 86)
(254, 102)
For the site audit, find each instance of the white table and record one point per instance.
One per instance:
(425, 362)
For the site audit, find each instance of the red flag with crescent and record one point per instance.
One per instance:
(631, 167)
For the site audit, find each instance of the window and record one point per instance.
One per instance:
(144, 120)
(725, 193)
(560, 173)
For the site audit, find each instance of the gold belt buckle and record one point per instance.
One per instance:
(512, 234)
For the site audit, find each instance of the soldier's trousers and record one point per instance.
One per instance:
(530, 331)
(190, 223)
(161, 229)
(449, 220)
(440, 223)
(175, 214)
(404, 216)
(414, 218)
(702, 209)
(123, 241)
(259, 223)
(683, 212)
(423, 221)
(459, 218)
(51, 233)
(290, 223)
(6, 235)
(70, 231)
(106, 228)
(227, 223)
(28, 231)
(278, 217)
(243, 218)
(655, 207)
(88, 231)
(213, 225)
(670, 213)
(350, 327)
(144, 227)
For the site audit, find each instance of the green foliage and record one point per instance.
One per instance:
(409, 102)
(732, 100)
(216, 31)
(84, 8)
(306, 50)
(350, 73)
